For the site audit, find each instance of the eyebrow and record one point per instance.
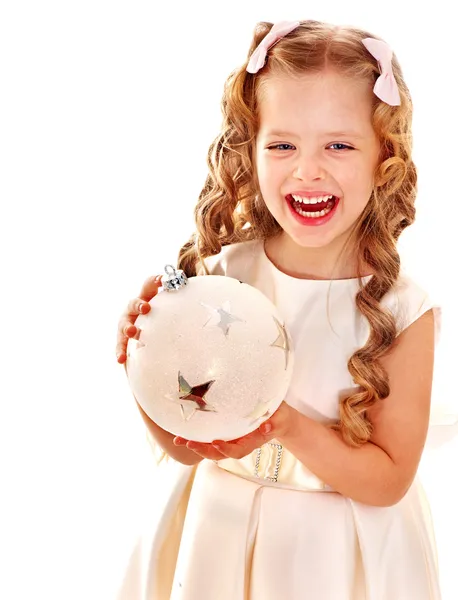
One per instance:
(275, 132)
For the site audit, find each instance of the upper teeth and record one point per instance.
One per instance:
(315, 200)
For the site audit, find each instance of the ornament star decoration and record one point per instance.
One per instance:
(259, 411)
(135, 343)
(282, 340)
(225, 317)
(194, 397)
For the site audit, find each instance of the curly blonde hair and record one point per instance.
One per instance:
(230, 208)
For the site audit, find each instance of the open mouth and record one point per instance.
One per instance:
(319, 207)
(313, 211)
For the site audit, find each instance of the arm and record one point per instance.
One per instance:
(165, 441)
(381, 471)
(126, 330)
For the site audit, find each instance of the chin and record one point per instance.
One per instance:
(313, 238)
(311, 243)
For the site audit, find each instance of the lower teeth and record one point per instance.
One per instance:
(313, 215)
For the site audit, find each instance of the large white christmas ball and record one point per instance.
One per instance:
(213, 359)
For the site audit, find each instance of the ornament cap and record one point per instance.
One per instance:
(173, 280)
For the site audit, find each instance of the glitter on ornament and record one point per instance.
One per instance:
(225, 317)
(228, 347)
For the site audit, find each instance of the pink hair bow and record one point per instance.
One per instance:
(385, 87)
(278, 31)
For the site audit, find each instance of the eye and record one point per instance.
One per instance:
(342, 146)
(277, 146)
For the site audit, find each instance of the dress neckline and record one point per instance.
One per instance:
(280, 274)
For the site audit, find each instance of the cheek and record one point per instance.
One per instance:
(271, 173)
(358, 180)
(266, 176)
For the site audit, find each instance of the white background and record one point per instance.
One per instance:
(107, 110)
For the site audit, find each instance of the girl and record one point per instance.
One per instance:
(310, 184)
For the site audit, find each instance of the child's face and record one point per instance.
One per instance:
(322, 113)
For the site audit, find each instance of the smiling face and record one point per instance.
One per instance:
(315, 138)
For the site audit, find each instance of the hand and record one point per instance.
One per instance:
(136, 306)
(278, 425)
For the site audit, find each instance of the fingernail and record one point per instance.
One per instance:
(265, 428)
(141, 307)
(217, 446)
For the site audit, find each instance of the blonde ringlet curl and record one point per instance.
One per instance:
(230, 208)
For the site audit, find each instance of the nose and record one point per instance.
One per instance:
(309, 167)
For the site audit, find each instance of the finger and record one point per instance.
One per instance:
(139, 305)
(129, 331)
(236, 450)
(150, 287)
(121, 356)
(240, 447)
(205, 450)
(179, 441)
(121, 350)
(126, 327)
(281, 423)
(135, 307)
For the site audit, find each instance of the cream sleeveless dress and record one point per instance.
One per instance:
(219, 532)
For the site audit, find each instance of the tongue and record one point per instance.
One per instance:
(314, 207)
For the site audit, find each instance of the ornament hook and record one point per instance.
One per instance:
(173, 279)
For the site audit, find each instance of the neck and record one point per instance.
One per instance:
(327, 262)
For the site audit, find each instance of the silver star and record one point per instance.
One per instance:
(282, 340)
(258, 412)
(193, 397)
(225, 317)
(135, 344)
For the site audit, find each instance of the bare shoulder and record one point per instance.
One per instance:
(401, 420)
